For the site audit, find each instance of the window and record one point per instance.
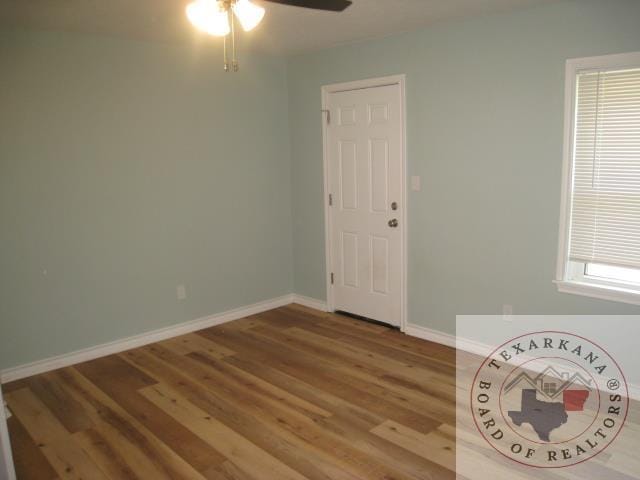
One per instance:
(599, 253)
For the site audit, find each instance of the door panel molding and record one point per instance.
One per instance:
(375, 115)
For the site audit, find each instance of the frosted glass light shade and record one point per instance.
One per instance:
(209, 16)
(249, 14)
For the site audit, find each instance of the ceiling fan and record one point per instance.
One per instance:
(217, 18)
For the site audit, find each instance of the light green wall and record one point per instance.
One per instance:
(485, 131)
(127, 168)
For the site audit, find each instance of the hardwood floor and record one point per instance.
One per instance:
(288, 394)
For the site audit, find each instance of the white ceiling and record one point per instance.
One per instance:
(286, 30)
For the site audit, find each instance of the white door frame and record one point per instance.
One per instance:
(9, 469)
(326, 90)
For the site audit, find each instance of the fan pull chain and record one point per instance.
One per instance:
(234, 61)
(226, 59)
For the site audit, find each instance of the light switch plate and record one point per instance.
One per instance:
(415, 183)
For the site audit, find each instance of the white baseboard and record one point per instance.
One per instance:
(52, 363)
(310, 302)
(431, 335)
(60, 361)
(474, 347)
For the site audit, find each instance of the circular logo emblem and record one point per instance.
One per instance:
(549, 399)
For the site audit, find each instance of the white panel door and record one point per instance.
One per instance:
(364, 147)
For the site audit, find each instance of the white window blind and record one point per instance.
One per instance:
(605, 195)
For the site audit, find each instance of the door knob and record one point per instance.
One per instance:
(393, 223)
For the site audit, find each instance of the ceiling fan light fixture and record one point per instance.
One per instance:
(217, 17)
(249, 14)
(210, 16)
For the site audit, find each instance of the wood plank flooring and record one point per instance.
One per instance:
(289, 394)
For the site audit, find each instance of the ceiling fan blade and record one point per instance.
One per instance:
(330, 5)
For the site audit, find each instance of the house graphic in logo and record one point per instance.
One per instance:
(550, 383)
(546, 414)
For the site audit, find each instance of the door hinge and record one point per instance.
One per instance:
(330, 200)
(328, 112)
(331, 278)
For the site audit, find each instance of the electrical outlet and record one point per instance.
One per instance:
(507, 312)
(181, 291)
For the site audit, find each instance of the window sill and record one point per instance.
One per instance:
(603, 292)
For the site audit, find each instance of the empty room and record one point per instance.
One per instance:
(320, 239)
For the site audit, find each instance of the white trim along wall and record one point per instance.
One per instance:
(64, 360)
(116, 346)
(7, 469)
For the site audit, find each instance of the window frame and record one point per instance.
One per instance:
(567, 280)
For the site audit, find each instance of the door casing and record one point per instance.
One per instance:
(7, 469)
(326, 90)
